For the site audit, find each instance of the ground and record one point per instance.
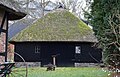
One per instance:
(67, 72)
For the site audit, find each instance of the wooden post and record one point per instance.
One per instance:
(6, 43)
(54, 60)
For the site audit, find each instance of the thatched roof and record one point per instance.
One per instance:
(59, 25)
(14, 11)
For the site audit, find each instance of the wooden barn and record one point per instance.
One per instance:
(59, 38)
(7, 12)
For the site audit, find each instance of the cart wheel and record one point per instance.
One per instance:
(18, 70)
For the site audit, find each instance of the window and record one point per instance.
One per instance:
(78, 49)
(37, 49)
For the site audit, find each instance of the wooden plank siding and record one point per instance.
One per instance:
(65, 52)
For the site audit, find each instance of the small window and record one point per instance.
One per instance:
(78, 49)
(37, 49)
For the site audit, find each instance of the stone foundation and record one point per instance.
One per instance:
(86, 64)
(38, 64)
(29, 64)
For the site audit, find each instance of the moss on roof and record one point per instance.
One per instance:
(59, 25)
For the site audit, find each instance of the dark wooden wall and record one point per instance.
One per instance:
(89, 54)
(64, 50)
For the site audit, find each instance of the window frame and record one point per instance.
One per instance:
(37, 49)
(78, 49)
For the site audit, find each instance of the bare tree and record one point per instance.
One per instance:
(78, 7)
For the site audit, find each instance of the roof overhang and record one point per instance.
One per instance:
(14, 42)
(12, 14)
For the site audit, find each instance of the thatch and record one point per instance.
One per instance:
(13, 9)
(60, 25)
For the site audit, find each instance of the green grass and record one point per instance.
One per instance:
(67, 72)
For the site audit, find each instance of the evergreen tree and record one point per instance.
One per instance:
(105, 19)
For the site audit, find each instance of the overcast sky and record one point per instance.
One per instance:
(84, 1)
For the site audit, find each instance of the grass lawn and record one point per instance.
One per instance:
(67, 72)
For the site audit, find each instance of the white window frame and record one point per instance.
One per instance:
(78, 49)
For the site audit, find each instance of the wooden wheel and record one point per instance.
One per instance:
(19, 70)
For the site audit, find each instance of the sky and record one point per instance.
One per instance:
(84, 1)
